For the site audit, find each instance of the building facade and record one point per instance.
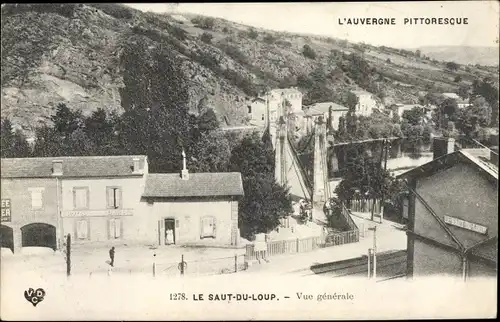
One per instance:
(92, 198)
(453, 214)
(114, 200)
(461, 103)
(367, 102)
(194, 209)
(314, 111)
(269, 105)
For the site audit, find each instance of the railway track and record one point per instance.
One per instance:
(389, 265)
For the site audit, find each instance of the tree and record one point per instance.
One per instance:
(264, 203)
(308, 52)
(208, 121)
(206, 37)
(13, 143)
(487, 89)
(452, 66)
(471, 118)
(252, 157)
(457, 79)
(417, 53)
(66, 121)
(414, 116)
(463, 91)
(210, 153)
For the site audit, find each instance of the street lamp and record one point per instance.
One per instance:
(374, 228)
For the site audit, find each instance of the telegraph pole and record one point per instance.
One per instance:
(374, 228)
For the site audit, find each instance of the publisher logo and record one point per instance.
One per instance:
(34, 297)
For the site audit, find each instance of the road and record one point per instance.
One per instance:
(390, 236)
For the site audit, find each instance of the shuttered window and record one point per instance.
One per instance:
(36, 199)
(81, 197)
(115, 228)
(208, 227)
(82, 229)
(113, 197)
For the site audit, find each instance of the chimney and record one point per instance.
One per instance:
(442, 146)
(184, 172)
(57, 169)
(136, 165)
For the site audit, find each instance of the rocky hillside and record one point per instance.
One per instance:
(55, 53)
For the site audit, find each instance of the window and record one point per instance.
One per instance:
(207, 227)
(262, 117)
(113, 197)
(115, 228)
(81, 197)
(249, 109)
(82, 229)
(36, 199)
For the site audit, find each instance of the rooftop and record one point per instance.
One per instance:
(322, 108)
(77, 166)
(479, 158)
(171, 185)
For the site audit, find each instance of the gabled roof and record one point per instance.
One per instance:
(473, 157)
(324, 107)
(79, 166)
(171, 185)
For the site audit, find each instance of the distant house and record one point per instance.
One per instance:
(257, 109)
(461, 103)
(401, 108)
(367, 102)
(453, 213)
(313, 112)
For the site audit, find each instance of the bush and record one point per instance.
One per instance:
(235, 54)
(114, 10)
(269, 39)
(458, 79)
(451, 65)
(241, 82)
(204, 23)
(308, 52)
(206, 37)
(208, 61)
(225, 30)
(252, 33)
(177, 32)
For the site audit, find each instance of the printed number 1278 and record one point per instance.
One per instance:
(177, 296)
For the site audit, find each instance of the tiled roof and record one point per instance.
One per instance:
(322, 108)
(170, 185)
(81, 166)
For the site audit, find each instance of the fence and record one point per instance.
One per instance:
(304, 245)
(364, 205)
(347, 216)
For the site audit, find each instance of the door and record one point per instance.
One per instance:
(169, 231)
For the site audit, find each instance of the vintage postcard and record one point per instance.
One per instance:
(249, 161)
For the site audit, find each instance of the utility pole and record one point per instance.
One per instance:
(374, 228)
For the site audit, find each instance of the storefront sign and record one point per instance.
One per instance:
(98, 213)
(465, 224)
(6, 210)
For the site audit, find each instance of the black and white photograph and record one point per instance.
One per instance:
(249, 161)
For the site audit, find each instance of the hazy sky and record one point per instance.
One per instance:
(322, 19)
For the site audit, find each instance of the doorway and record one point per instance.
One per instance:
(39, 235)
(169, 231)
